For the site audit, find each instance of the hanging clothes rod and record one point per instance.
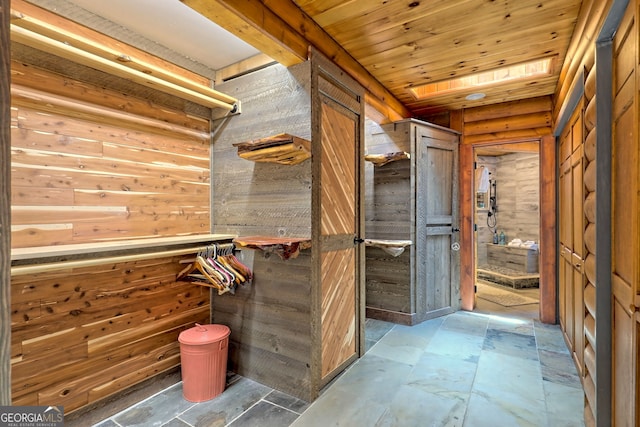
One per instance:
(66, 265)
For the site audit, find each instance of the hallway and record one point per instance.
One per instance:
(494, 367)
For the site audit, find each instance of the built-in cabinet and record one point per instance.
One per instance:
(412, 198)
(571, 232)
(625, 223)
(300, 322)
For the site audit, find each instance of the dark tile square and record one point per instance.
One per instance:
(156, 410)
(559, 368)
(287, 401)
(375, 329)
(176, 422)
(220, 411)
(511, 344)
(265, 414)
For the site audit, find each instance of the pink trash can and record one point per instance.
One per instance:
(203, 358)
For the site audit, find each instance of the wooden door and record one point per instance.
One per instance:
(571, 230)
(624, 223)
(565, 290)
(337, 168)
(437, 230)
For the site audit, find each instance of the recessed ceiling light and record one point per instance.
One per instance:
(475, 96)
(511, 73)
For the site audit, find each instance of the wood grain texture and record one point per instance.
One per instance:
(244, 190)
(285, 31)
(270, 337)
(338, 197)
(547, 193)
(339, 321)
(548, 229)
(79, 179)
(337, 218)
(530, 118)
(388, 281)
(397, 210)
(86, 333)
(31, 10)
(6, 120)
(592, 14)
(282, 148)
(625, 250)
(277, 323)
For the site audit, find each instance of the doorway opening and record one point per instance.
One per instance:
(507, 235)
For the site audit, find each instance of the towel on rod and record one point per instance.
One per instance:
(482, 180)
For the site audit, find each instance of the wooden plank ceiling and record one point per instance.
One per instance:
(404, 44)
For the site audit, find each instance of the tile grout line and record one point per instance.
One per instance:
(248, 409)
(466, 406)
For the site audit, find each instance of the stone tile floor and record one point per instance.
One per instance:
(493, 367)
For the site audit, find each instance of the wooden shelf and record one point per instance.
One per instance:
(392, 247)
(285, 247)
(383, 159)
(283, 148)
(94, 249)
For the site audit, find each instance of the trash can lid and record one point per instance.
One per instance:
(204, 334)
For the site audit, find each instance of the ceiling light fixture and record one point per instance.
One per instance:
(523, 71)
(475, 96)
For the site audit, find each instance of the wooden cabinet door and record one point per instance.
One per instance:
(565, 287)
(624, 223)
(437, 258)
(571, 232)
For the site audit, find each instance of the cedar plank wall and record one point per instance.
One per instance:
(5, 217)
(106, 180)
(83, 334)
(89, 165)
(270, 338)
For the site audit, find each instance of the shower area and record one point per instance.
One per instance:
(507, 217)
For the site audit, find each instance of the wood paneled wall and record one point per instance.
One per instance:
(253, 198)
(625, 223)
(581, 49)
(270, 324)
(5, 205)
(83, 334)
(82, 171)
(528, 119)
(94, 163)
(390, 214)
(388, 207)
(579, 271)
(277, 322)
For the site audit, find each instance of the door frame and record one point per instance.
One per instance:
(548, 235)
